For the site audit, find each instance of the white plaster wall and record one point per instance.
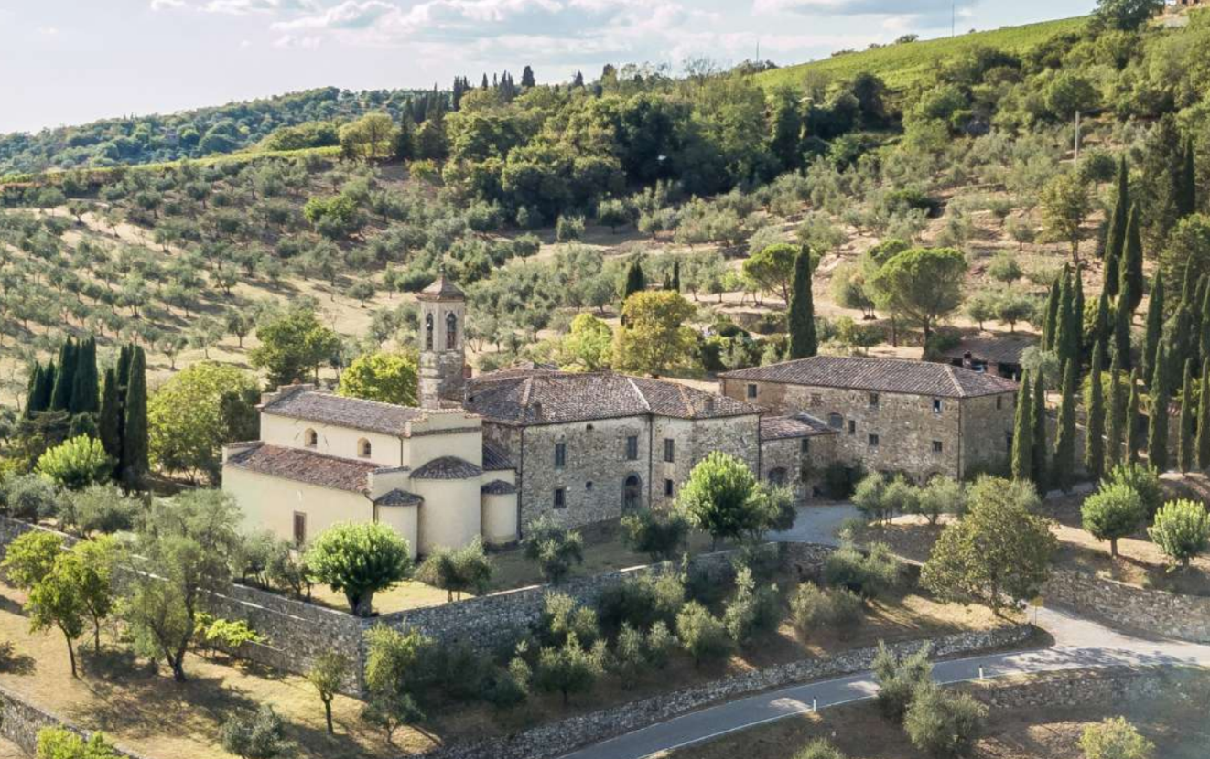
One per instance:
(403, 519)
(269, 503)
(334, 441)
(422, 449)
(499, 519)
(451, 515)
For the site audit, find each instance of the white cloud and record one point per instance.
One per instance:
(159, 5)
(48, 31)
(347, 15)
(856, 7)
(293, 42)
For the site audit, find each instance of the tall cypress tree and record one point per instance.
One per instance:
(33, 401)
(676, 276)
(1065, 343)
(1155, 326)
(1134, 420)
(1023, 431)
(1119, 219)
(1049, 321)
(1131, 266)
(1115, 422)
(1187, 454)
(85, 392)
(60, 397)
(636, 281)
(1065, 440)
(134, 435)
(1204, 314)
(803, 343)
(1203, 419)
(1186, 184)
(124, 370)
(1157, 425)
(1102, 330)
(1041, 452)
(109, 422)
(1094, 446)
(1077, 316)
(1121, 334)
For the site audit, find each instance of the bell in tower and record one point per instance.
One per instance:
(442, 343)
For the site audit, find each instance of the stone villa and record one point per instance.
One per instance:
(483, 456)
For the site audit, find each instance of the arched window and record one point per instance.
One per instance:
(310, 438)
(364, 449)
(632, 494)
(428, 332)
(451, 332)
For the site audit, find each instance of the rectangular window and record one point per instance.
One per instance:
(752, 391)
(560, 498)
(669, 488)
(632, 448)
(936, 405)
(938, 447)
(999, 402)
(1008, 442)
(560, 454)
(873, 440)
(669, 450)
(852, 427)
(300, 529)
(806, 446)
(874, 400)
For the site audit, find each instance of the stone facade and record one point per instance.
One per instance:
(1152, 612)
(20, 721)
(798, 462)
(559, 738)
(1079, 687)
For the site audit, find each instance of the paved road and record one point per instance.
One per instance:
(817, 524)
(1079, 644)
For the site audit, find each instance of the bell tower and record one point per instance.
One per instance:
(442, 336)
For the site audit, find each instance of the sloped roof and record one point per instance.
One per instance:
(545, 397)
(997, 350)
(498, 487)
(398, 497)
(495, 459)
(442, 289)
(354, 413)
(792, 426)
(447, 468)
(304, 466)
(886, 375)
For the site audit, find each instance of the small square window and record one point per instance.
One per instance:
(937, 406)
(560, 454)
(752, 390)
(560, 498)
(852, 427)
(938, 446)
(632, 448)
(835, 421)
(669, 488)
(873, 440)
(805, 446)
(669, 450)
(874, 400)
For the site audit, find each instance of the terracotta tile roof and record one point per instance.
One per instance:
(792, 426)
(544, 397)
(326, 408)
(447, 468)
(495, 459)
(997, 350)
(442, 289)
(304, 466)
(887, 375)
(398, 497)
(498, 487)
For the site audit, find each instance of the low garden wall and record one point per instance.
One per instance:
(1154, 612)
(562, 737)
(1077, 687)
(21, 721)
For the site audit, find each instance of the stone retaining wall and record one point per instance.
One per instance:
(1077, 687)
(559, 738)
(20, 722)
(1154, 612)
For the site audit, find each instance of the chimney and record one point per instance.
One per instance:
(967, 360)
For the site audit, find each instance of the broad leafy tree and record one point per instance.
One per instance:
(359, 559)
(922, 285)
(381, 376)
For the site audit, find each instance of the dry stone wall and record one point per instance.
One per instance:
(20, 722)
(1149, 611)
(1077, 687)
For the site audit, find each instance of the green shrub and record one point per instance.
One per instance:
(751, 611)
(570, 668)
(1115, 738)
(869, 575)
(30, 497)
(261, 736)
(701, 633)
(553, 547)
(61, 743)
(1141, 479)
(1004, 268)
(569, 228)
(659, 535)
(900, 679)
(944, 724)
(660, 644)
(813, 608)
(641, 601)
(819, 749)
(1181, 530)
(564, 616)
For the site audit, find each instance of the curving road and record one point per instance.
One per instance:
(1078, 644)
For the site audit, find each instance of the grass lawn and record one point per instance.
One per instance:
(1179, 730)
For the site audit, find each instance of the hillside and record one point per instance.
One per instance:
(907, 64)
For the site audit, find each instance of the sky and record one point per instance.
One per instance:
(71, 61)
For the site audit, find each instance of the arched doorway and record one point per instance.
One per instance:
(632, 494)
(777, 476)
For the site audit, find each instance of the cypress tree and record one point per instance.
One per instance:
(1131, 266)
(85, 392)
(1134, 420)
(1186, 185)
(1064, 342)
(636, 281)
(1204, 320)
(1094, 446)
(1022, 453)
(803, 342)
(1121, 334)
(1157, 426)
(1155, 326)
(676, 276)
(1052, 314)
(109, 423)
(60, 397)
(1115, 422)
(1101, 328)
(1077, 317)
(1119, 219)
(1187, 454)
(1203, 420)
(134, 434)
(124, 370)
(47, 388)
(1039, 437)
(33, 390)
(1065, 440)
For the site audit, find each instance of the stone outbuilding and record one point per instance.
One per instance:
(892, 415)
(1000, 355)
